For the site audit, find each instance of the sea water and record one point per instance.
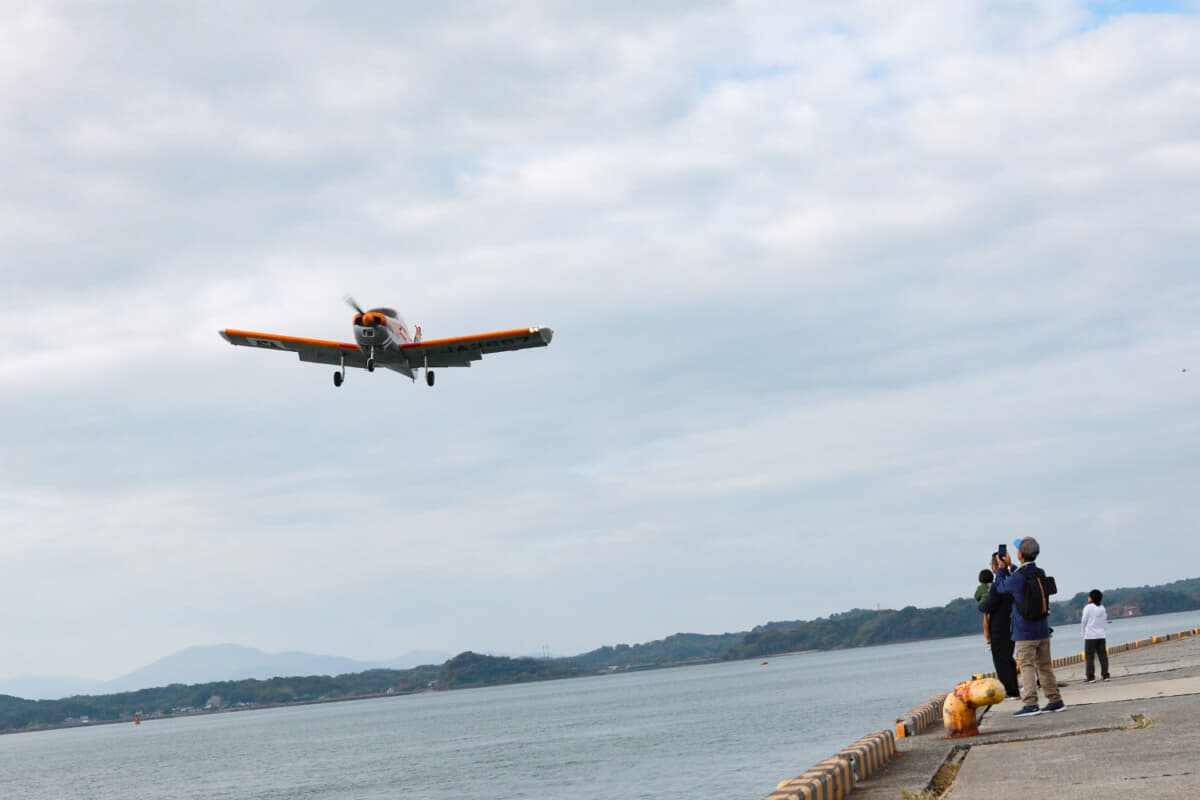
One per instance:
(727, 731)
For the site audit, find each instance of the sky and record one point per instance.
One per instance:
(842, 295)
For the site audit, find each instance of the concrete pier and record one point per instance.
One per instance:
(1137, 735)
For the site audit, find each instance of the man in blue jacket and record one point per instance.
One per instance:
(1032, 636)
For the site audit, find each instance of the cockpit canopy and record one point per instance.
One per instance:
(388, 312)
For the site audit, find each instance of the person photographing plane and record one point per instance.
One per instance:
(1030, 626)
(997, 611)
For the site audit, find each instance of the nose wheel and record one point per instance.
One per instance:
(371, 360)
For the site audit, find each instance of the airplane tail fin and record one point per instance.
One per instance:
(417, 338)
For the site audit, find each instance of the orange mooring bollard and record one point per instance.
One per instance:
(958, 712)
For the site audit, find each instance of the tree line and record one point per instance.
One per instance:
(179, 699)
(861, 628)
(854, 628)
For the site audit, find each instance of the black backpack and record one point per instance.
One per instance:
(1035, 601)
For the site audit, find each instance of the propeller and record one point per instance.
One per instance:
(350, 302)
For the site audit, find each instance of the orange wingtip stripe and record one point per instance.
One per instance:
(294, 339)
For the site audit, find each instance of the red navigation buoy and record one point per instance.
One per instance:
(136, 719)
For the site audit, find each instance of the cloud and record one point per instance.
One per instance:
(840, 296)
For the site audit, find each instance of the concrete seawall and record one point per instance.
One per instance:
(1154, 693)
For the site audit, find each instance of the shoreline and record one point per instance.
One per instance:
(426, 690)
(210, 712)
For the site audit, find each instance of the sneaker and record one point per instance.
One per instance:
(1059, 706)
(1027, 711)
(1092, 680)
(1105, 678)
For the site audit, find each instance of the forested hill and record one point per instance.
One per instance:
(178, 700)
(677, 649)
(1181, 595)
(860, 628)
(854, 628)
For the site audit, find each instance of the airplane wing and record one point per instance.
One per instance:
(460, 351)
(406, 359)
(317, 350)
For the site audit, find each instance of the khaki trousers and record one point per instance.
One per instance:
(1033, 657)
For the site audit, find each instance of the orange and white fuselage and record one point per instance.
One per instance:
(380, 327)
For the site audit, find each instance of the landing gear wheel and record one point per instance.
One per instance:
(428, 378)
(370, 365)
(338, 378)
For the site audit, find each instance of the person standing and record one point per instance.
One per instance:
(1032, 636)
(981, 591)
(997, 615)
(1095, 636)
(985, 581)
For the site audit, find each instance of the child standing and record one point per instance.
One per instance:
(1095, 636)
(981, 591)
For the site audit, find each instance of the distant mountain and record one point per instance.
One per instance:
(230, 662)
(854, 628)
(208, 664)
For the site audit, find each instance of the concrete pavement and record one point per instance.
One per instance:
(1136, 736)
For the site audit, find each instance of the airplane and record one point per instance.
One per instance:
(382, 339)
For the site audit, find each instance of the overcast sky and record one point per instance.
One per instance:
(843, 295)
